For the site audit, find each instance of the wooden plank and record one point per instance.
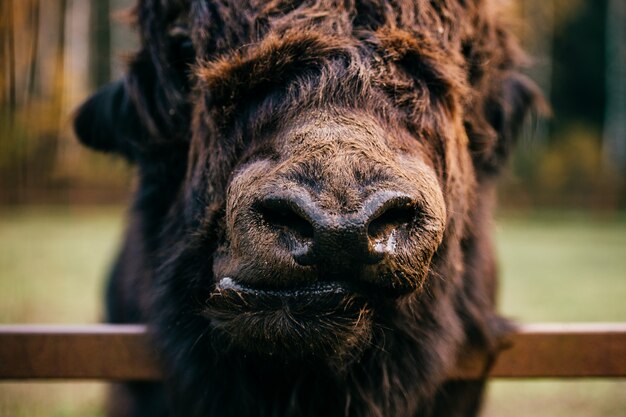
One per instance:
(565, 351)
(568, 350)
(122, 352)
(109, 352)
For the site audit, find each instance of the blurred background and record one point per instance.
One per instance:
(560, 229)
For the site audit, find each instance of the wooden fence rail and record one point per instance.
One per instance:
(122, 352)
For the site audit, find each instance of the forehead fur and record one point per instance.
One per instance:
(273, 61)
(451, 56)
(442, 71)
(464, 29)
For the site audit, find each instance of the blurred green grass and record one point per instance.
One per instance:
(52, 265)
(558, 266)
(555, 267)
(561, 267)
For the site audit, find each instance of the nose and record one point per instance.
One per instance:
(316, 236)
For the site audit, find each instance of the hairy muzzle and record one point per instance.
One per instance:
(313, 279)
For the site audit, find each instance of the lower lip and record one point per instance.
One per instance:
(317, 289)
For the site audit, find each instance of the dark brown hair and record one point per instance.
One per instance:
(217, 87)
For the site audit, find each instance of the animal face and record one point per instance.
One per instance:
(334, 197)
(314, 187)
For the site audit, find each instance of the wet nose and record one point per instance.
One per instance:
(316, 236)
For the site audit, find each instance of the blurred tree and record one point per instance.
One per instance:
(578, 77)
(540, 39)
(44, 74)
(100, 42)
(32, 71)
(579, 51)
(614, 146)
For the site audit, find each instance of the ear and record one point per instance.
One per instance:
(108, 122)
(507, 106)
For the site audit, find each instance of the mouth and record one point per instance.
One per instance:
(318, 289)
(304, 299)
(329, 319)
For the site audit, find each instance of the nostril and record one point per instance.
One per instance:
(391, 219)
(283, 214)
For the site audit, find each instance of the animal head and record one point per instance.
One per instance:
(311, 173)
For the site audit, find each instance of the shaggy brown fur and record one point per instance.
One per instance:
(311, 233)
